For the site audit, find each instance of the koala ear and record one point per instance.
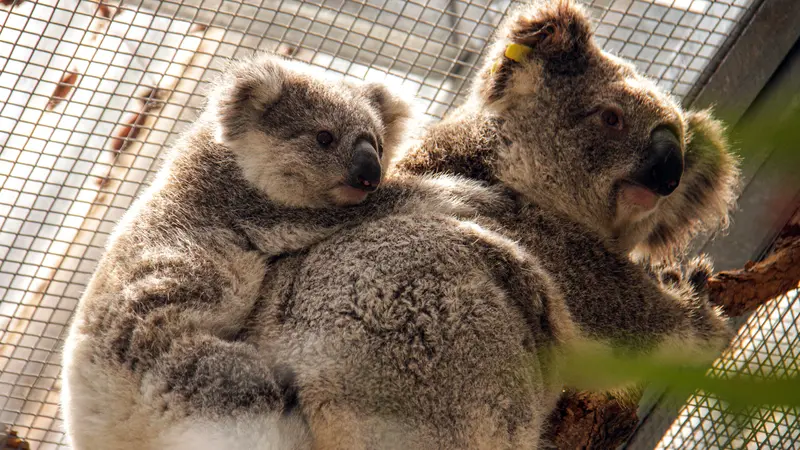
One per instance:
(394, 112)
(243, 92)
(553, 35)
(706, 194)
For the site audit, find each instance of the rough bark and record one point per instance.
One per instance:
(10, 440)
(742, 291)
(585, 420)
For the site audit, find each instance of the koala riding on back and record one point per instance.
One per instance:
(279, 159)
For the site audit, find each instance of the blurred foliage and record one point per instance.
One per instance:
(775, 125)
(587, 368)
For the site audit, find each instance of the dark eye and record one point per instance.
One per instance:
(324, 138)
(612, 118)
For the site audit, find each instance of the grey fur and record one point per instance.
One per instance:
(156, 335)
(421, 331)
(417, 329)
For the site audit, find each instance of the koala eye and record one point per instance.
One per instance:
(612, 118)
(324, 138)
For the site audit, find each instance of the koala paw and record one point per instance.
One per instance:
(697, 272)
(690, 277)
(687, 282)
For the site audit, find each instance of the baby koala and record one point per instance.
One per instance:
(279, 160)
(304, 141)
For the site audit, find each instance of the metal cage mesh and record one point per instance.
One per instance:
(91, 91)
(768, 346)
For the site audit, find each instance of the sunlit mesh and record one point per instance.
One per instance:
(767, 347)
(91, 92)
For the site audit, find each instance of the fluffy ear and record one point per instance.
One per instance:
(395, 113)
(552, 35)
(242, 92)
(707, 192)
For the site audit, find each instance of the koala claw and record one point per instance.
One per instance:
(692, 275)
(698, 271)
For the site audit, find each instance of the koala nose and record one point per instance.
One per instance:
(663, 166)
(365, 167)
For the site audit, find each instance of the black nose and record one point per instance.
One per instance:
(365, 167)
(663, 166)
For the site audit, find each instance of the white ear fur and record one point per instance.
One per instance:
(395, 113)
(242, 92)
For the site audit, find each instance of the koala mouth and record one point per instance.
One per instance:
(344, 194)
(637, 196)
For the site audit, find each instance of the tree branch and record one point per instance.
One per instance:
(741, 291)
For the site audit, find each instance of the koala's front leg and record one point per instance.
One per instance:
(667, 312)
(444, 194)
(618, 303)
(688, 282)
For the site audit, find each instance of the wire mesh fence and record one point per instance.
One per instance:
(90, 93)
(768, 346)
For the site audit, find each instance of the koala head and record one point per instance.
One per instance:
(587, 135)
(306, 141)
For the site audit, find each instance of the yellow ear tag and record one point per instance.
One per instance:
(517, 52)
(514, 52)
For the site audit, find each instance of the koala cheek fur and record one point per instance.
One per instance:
(286, 176)
(706, 195)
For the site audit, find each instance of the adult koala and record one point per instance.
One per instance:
(424, 331)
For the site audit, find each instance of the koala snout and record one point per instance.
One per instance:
(365, 168)
(663, 166)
